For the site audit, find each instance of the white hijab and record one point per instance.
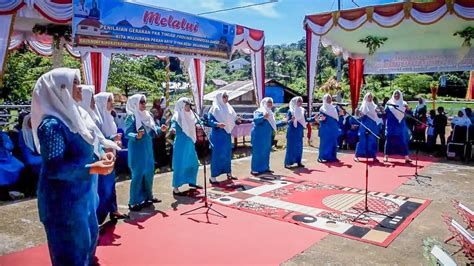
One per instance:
(223, 112)
(52, 96)
(462, 121)
(87, 94)
(186, 120)
(107, 124)
(328, 108)
(163, 102)
(368, 108)
(265, 110)
(28, 133)
(422, 104)
(141, 117)
(401, 106)
(298, 112)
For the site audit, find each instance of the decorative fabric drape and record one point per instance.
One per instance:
(7, 22)
(356, 80)
(312, 41)
(470, 88)
(96, 68)
(197, 75)
(251, 41)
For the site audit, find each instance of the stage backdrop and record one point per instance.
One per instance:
(126, 27)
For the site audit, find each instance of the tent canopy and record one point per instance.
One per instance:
(411, 37)
(422, 33)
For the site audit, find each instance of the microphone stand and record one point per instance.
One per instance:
(364, 211)
(207, 206)
(417, 177)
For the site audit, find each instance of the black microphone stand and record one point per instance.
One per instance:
(417, 177)
(207, 205)
(364, 211)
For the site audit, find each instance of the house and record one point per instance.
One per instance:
(242, 94)
(219, 83)
(237, 64)
(89, 26)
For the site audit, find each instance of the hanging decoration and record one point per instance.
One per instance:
(373, 43)
(467, 34)
(58, 32)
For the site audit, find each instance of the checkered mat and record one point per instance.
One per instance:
(330, 208)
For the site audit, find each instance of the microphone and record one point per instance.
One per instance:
(391, 104)
(342, 104)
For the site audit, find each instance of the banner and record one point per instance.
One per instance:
(129, 27)
(421, 62)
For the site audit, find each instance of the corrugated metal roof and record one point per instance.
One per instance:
(234, 90)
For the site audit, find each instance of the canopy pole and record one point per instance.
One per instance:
(167, 93)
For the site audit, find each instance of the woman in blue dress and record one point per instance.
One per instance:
(29, 155)
(140, 128)
(10, 167)
(66, 142)
(264, 126)
(297, 122)
(367, 145)
(396, 131)
(222, 119)
(106, 184)
(329, 131)
(185, 160)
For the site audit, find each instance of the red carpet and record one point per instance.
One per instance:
(241, 238)
(383, 177)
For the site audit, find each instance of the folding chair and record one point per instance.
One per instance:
(470, 143)
(466, 214)
(459, 139)
(462, 236)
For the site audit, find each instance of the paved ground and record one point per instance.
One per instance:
(20, 227)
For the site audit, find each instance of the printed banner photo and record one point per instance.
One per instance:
(420, 62)
(133, 27)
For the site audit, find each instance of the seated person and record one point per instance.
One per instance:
(352, 133)
(29, 155)
(10, 167)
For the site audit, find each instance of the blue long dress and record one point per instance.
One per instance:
(261, 139)
(329, 132)
(185, 160)
(31, 158)
(367, 145)
(221, 150)
(66, 195)
(140, 161)
(294, 141)
(10, 167)
(352, 133)
(397, 135)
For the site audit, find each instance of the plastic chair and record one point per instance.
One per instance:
(462, 236)
(459, 139)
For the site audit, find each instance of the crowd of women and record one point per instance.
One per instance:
(71, 140)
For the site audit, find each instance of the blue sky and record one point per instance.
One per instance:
(281, 21)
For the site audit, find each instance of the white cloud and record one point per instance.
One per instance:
(211, 5)
(267, 10)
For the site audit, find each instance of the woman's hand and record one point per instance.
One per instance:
(140, 134)
(173, 131)
(108, 157)
(220, 125)
(118, 137)
(266, 115)
(102, 167)
(164, 128)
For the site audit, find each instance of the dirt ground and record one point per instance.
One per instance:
(20, 227)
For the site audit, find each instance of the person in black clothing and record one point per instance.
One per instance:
(440, 122)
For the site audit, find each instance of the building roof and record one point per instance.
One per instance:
(233, 90)
(90, 22)
(239, 88)
(239, 61)
(219, 82)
